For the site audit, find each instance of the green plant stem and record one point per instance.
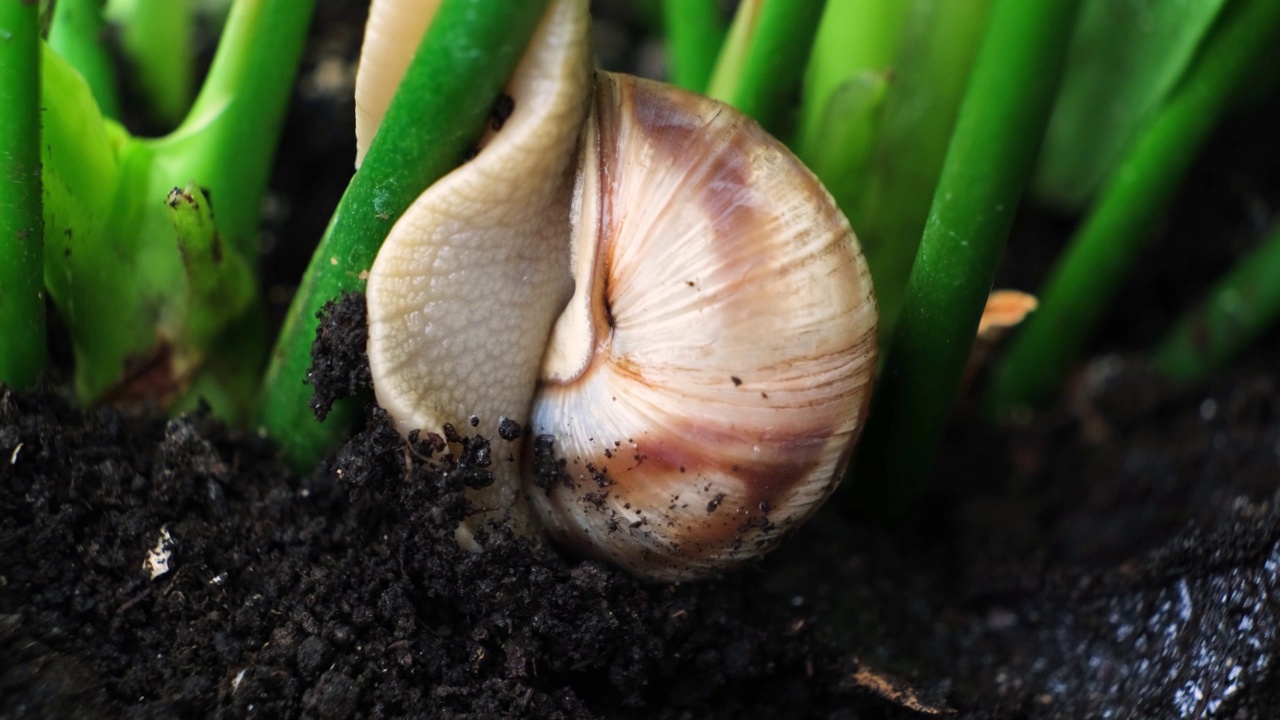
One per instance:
(763, 59)
(142, 321)
(22, 331)
(465, 58)
(90, 272)
(1240, 308)
(695, 32)
(987, 166)
(1086, 276)
(157, 36)
(78, 34)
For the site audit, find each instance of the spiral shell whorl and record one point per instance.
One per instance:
(708, 379)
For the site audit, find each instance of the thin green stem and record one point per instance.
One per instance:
(1240, 307)
(158, 37)
(1103, 250)
(987, 166)
(764, 57)
(695, 32)
(78, 34)
(22, 338)
(465, 58)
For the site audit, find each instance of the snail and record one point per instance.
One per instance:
(661, 293)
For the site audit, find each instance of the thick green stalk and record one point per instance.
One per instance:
(89, 270)
(78, 34)
(1240, 307)
(695, 32)
(764, 57)
(465, 58)
(1103, 250)
(987, 166)
(846, 86)
(22, 338)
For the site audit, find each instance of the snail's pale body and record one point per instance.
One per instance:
(706, 381)
(470, 279)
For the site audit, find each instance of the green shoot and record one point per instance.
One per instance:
(466, 56)
(1104, 248)
(220, 282)
(763, 59)
(22, 326)
(695, 32)
(988, 163)
(1240, 308)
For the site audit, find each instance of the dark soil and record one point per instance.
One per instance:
(1115, 556)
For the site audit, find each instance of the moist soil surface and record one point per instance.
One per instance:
(1116, 555)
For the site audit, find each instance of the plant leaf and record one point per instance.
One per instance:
(1126, 57)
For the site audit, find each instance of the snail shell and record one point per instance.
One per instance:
(687, 301)
(706, 383)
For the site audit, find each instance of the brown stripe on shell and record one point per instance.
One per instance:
(666, 476)
(680, 130)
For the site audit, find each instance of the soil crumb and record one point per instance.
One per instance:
(338, 365)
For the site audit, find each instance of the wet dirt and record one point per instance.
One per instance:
(1133, 575)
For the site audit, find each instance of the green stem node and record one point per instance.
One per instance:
(148, 288)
